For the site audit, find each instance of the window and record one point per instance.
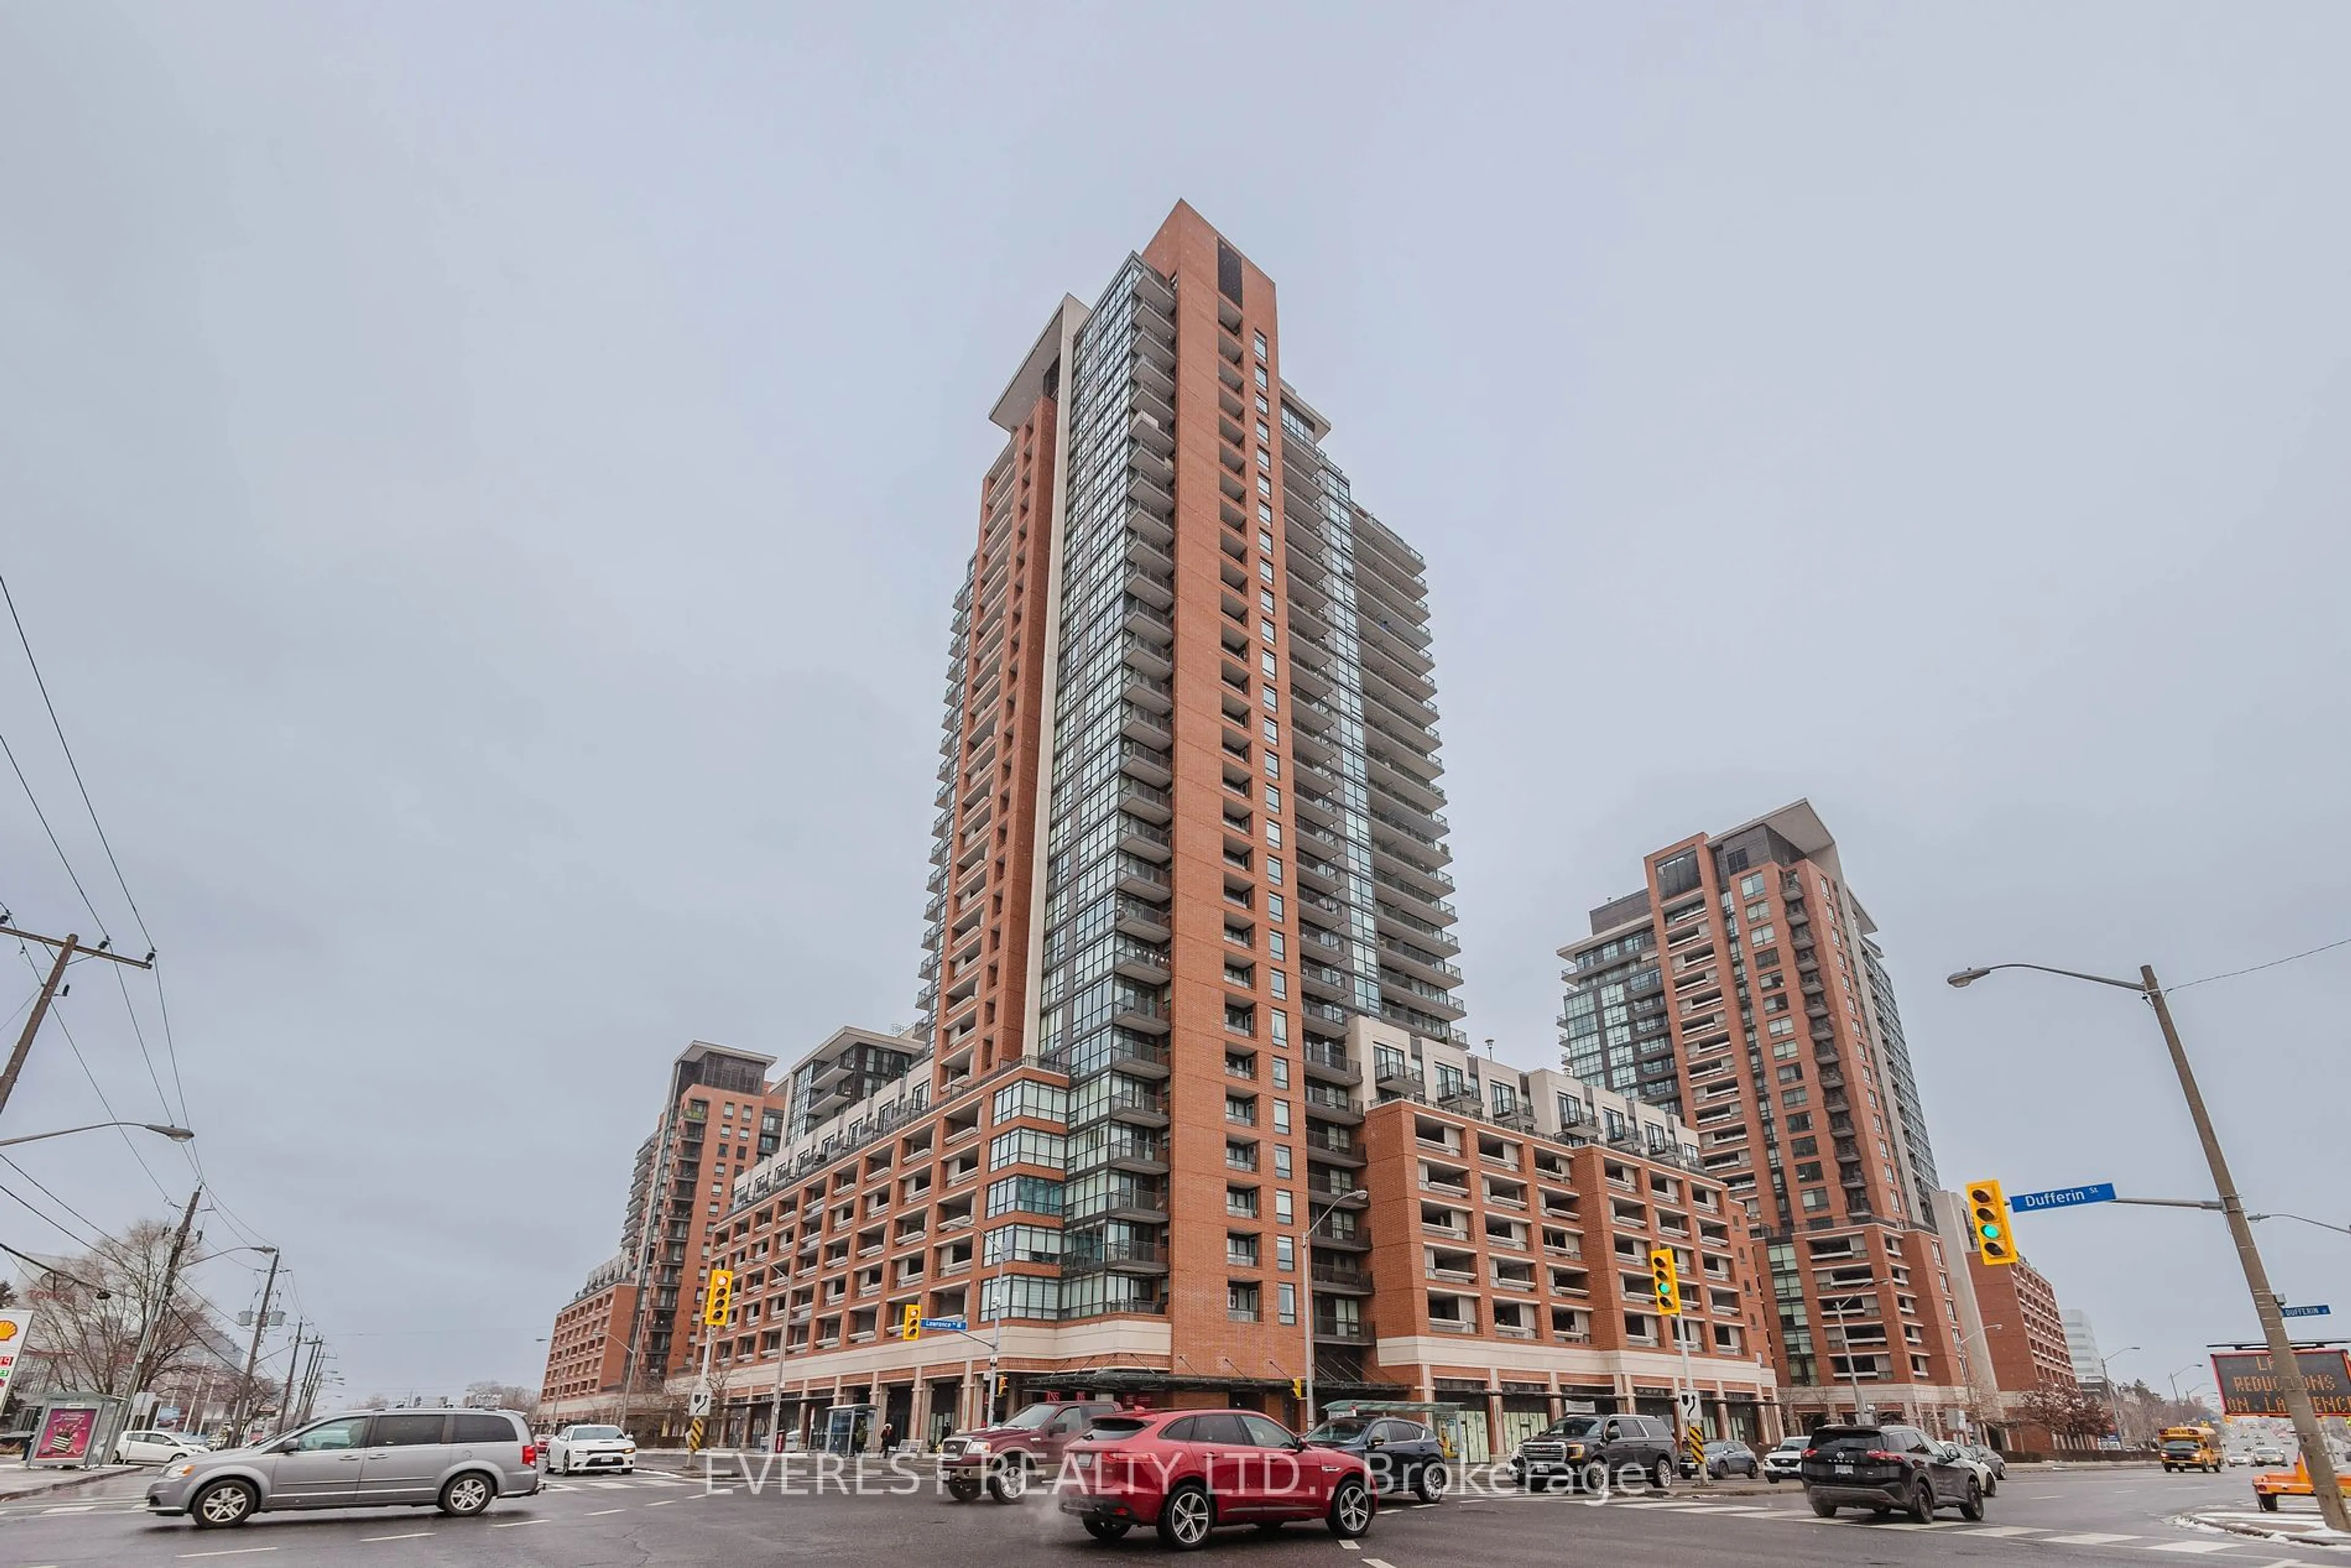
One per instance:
(1282, 1209)
(1506, 1099)
(1793, 1072)
(1570, 1111)
(350, 1432)
(1027, 1145)
(1285, 1253)
(1241, 1251)
(1265, 659)
(1752, 886)
(1273, 869)
(1241, 1302)
(1272, 797)
(1286, 1296)
(1239, 1019)
(1281, 1160)
(1280, 1064)
(1047, 1102)
(1262, 384)
(1261, 354)
(1035, 1194)
(1281, 1115)
(417, 1431)
(474, 1427)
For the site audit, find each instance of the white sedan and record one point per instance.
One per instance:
(153, 1447)
(575, 1449)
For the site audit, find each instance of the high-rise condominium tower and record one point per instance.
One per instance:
(1741, 988)
(1189, 815)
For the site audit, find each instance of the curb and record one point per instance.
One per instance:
(70, 1483)
(2264, 1532)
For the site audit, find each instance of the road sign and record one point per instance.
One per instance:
(1692, 1411)
(2315, 1310)
(2062, 1197)
(958, 1324)
(697, 1404)
(2250, 1385)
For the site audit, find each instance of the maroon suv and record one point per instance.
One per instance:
(1004, 1458)
(1190, 1471)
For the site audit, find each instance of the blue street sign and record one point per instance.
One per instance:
(2318, 1310)
(943, 1323)
(2062, 1197)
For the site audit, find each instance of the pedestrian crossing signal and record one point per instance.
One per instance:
(910, 1327)
(719, 1299)
(1995, 1233)
(1665, 1280)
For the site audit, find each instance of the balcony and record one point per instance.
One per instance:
(1329, 1062)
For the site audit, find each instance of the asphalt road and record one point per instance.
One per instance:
(2086, 1518)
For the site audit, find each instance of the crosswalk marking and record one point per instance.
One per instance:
(2090, 1538)
(2197, 1546)
(2005, 1530)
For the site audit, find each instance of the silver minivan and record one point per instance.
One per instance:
(455, 1460)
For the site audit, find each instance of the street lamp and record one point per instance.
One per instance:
(2115, 1405)
(1844, 1342)
(2322, 1224)
(2320, 1457)
(1306, 1314)
(177, 1134)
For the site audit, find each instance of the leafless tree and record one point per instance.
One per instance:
(93, 1310)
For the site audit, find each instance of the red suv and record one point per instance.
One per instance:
(1190, 1471)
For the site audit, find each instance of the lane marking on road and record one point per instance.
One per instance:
(411, 1535)
(665, 1502)
(2198, 1547)
(1914, 1524)
(2045, 1495)
(1349, 1546)
(1375, 1562)
(70, 1508)
(2091, 1538)
(603, 1512)
(229, 1552)
(2006, 1530)
(516, 1523)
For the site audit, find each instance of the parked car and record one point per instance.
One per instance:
(1187, 1472)
(1992, 1458)
(153, 1447)
(575, 1449)
(1725, 1460)
(1402, 1455)
(1984, 1477)
(458, 1460)
(1588, 1449)
(1004, 1458)
(1888, 1468)
(1781, 1463)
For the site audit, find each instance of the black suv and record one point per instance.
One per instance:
(1595, 1450)
(1887, 1468)
(1403, 1456)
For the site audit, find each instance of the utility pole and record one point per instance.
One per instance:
(2316, 1456)
(293, 1371)
(66, 946)
(253, 1352)
(141, 1372)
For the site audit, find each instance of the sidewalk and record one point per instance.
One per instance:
(17, 1482)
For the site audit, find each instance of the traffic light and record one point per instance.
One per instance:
(1666, 1280)
(910, 1324)
(1988, 1213)
(719, 1299)
(1298, 1388)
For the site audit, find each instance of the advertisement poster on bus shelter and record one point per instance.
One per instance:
(65, 1435)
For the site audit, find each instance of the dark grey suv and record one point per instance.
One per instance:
(456, 1459)
(1592, 1451)
(1888, 1469)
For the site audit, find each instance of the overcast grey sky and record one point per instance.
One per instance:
(486, 484)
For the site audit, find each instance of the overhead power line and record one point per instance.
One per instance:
(43, 685)
(2257, 968)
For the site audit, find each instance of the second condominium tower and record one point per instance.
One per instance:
(1189, 817)
(1743, 988)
